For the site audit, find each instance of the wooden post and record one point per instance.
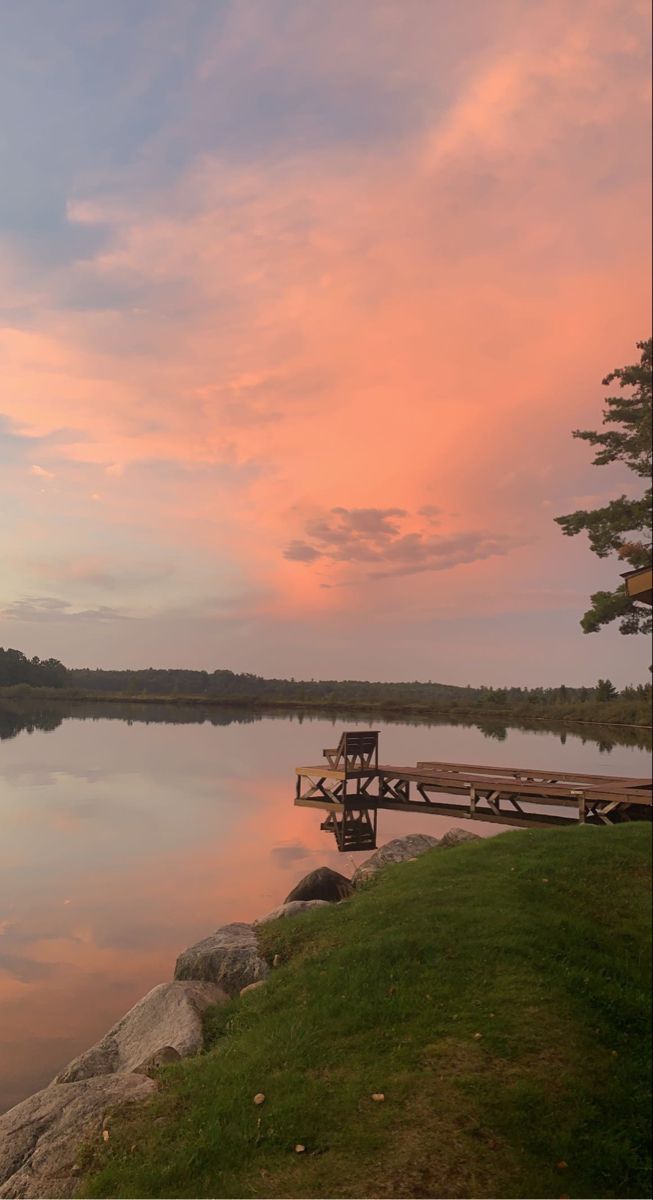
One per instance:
(581, 807)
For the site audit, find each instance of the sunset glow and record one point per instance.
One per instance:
(300, 305)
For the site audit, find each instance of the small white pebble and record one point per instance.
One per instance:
(378, 1096)
(477, 1037)
(259, 1098)
(299, 1149)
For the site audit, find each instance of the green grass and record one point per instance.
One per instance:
(538, 940)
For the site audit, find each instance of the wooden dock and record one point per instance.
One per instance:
(352, 786)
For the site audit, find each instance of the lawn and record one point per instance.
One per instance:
(495, 994)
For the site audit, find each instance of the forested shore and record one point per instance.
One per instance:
(22, 678)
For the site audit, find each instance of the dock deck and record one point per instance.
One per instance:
(351, 786)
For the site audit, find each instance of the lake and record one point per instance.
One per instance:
(130, 832)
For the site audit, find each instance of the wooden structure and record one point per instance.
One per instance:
(356, 750)
(351, 786)
(639, 584)
(355, 758)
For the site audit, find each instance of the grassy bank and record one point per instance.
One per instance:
(497, 994)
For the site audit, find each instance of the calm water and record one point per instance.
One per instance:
(124, 840)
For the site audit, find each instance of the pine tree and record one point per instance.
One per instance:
(624, 525)
(605, 690)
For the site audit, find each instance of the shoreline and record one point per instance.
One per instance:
(384, 711)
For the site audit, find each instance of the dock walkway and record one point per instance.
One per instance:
(352, 786)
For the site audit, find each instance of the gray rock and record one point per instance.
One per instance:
(456, 836)
(169, 1016)
(321, 884)
(229, 957)
(160, 1058)
(402, 849)
(291, 909)
(40, 1138)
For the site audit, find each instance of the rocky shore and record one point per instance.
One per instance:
(40, 1138)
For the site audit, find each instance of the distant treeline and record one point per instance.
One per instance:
(599, 703)
(16, 667)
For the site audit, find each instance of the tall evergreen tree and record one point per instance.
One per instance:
(624, 525)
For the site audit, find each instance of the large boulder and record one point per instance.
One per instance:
(229, 957)
(169, 1017)
(40, 1138)
(291, 909)
(456, 836)
(399, 850)
(321, 884)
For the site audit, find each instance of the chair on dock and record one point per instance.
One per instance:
(356, 751)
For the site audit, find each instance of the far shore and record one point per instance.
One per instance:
(441, 712)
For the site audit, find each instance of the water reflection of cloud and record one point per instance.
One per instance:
(15, 935)
(28, 776)
(36, 775)
(30, 970)
(132, 937)
(286, 856)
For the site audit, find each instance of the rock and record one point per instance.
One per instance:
(321, 884)
(291, 908)
(160, 1058)
(259, 1098)
(251, 987)
(456, 836)
(169, 1018)
(402, 849)
(229, 957)
(40, 1138)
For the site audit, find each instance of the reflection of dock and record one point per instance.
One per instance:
(351, 786)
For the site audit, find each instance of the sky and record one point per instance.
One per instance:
(300, 302)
